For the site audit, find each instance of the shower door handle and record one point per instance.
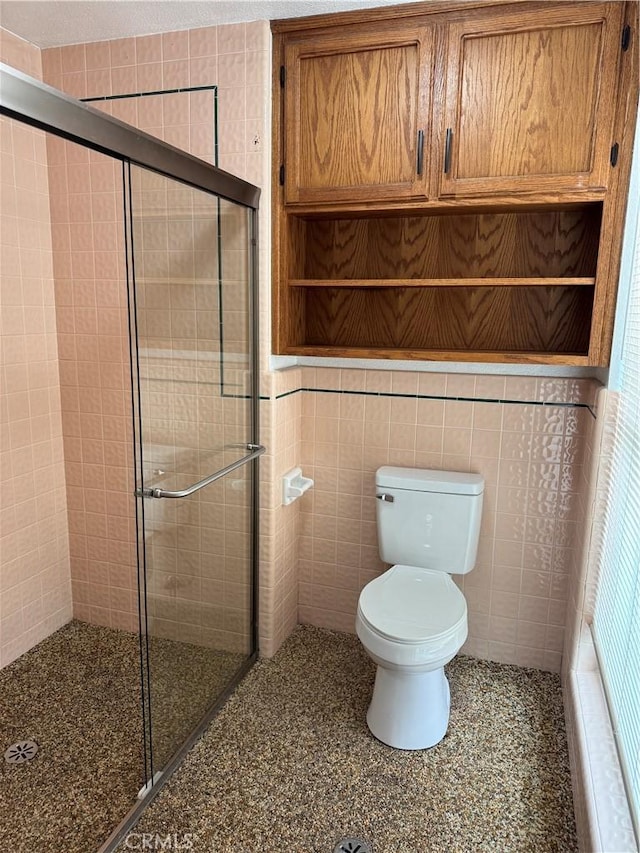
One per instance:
(256, 450)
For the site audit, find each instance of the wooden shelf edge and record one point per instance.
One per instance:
(444, 282)
(522, 203)
(567, 359)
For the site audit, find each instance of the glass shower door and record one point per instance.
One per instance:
(190, 281)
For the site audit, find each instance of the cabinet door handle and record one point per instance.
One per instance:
(420, 154)
(447, 150)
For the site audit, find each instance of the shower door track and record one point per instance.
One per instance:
(120, 832)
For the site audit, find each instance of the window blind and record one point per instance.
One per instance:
(616, 621)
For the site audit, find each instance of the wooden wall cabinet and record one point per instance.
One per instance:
(358, 112)
(530, 100)
(449, 186)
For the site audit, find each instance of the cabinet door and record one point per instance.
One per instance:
(530, 100)
(357, 113)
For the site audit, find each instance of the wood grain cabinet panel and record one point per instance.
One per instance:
(530, 101)
(357, 116)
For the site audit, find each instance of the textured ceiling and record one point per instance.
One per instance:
(50, 23)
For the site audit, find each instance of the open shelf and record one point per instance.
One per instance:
(472, 286)
(552, 319)
(550, 243)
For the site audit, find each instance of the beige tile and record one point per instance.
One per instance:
(504, 603)
(458, 414)
(507, 579)
(503, 630)
(403, 411)
(521, 388)
(531, 634)
(485, 443)
(231, 38)
(457, 442)
(487, 416)
(378, 380)
(490, 387)
(460, 385)
(148, 49)
(404, 382)
(430, 413)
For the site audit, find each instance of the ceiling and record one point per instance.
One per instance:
(51, 23)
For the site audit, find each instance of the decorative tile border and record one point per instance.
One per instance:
(442, 397)
(185, 90)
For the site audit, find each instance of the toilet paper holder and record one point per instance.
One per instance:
(294, 485)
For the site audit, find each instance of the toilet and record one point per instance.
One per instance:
(412, 620)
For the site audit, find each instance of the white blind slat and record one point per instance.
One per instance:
(616, 621)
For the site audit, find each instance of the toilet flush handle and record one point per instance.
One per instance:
(388, 498)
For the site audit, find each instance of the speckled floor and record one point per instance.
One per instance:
(77, 694)
(185, 680)
(289, 765)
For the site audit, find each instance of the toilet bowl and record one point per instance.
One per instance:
(412, 620)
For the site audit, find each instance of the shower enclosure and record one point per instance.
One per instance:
(195, 437)
(190, 250)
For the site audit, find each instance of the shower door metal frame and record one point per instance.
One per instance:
(41, 106)
(156, 776)
(32, 102)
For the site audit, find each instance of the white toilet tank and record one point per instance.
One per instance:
(429, 519)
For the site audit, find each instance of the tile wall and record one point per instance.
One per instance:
(91, 316)
(525, 435)
(35, 588)
(234, 58)
(281, 418)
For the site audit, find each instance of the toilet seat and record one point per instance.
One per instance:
(413, 606)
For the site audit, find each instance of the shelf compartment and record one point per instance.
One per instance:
(550, 243)
(489, 285)
(553, 319)
(585, 281)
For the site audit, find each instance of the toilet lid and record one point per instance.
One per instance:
(413, 605)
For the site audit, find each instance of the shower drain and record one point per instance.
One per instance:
(353, 845)
(24, 750)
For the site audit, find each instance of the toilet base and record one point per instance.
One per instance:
(409, 711)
